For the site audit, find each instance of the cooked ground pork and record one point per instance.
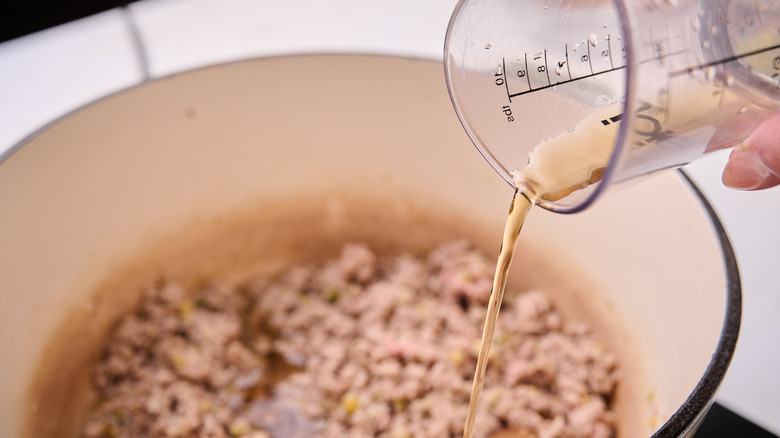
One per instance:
(373, 347)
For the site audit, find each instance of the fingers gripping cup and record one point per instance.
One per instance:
(564, 97)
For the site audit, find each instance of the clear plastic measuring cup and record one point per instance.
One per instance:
(627, 86)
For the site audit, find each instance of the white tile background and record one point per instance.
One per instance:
(45, 75)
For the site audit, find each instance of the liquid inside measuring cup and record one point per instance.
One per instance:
(656, 86)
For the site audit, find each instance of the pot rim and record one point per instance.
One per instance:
(685, 420)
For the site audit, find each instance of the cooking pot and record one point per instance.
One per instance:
(242, 168)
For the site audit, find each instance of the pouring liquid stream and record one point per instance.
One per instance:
(557, 167)
(518, 210)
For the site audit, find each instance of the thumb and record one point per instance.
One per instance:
(755, 164)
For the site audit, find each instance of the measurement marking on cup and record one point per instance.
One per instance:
(613, 119)
(724, 60)
(527, 76)
(652, 45)
(546, 68)
(590, 62)
(531, 90)
(506, 78)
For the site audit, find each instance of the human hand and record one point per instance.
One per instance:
(755, 164)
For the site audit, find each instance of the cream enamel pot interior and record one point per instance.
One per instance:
(239, 168)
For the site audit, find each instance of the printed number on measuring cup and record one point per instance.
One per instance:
(504, 109)
(499, 78)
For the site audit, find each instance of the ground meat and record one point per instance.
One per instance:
(177, 368)
(380, 347)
